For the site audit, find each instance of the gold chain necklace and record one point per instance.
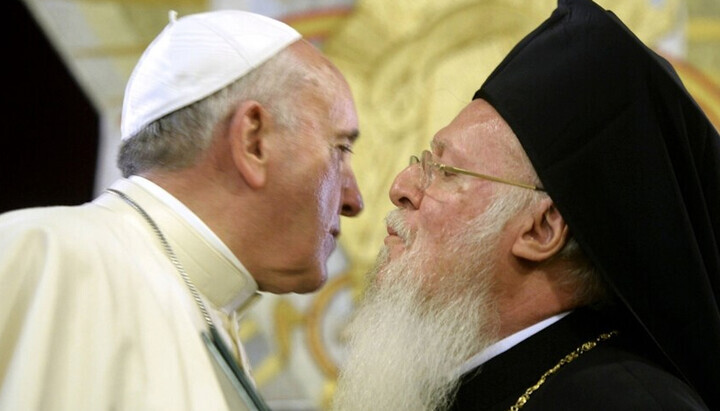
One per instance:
(566, 360)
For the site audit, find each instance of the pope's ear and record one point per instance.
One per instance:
(247, 134)
(543, 233)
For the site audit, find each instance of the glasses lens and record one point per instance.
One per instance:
(422, 161)
(427, 169)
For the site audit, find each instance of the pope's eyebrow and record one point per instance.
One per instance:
(351, 135)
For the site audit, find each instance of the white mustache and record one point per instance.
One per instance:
(396, 222)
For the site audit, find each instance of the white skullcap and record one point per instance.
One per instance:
(196, 56)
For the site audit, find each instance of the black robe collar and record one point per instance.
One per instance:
(497, 384)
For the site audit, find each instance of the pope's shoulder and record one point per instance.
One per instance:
(77, 223)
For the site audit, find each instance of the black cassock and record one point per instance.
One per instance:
(623, 372)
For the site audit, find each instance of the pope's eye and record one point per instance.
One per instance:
(345, 148)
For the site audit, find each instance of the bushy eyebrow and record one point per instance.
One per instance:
(437, 146)
(351, 135)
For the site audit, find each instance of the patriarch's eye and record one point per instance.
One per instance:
(446, 172)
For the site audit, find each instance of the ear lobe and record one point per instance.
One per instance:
(542, 234)
(247, 135)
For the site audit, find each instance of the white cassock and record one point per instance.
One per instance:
(94, 316)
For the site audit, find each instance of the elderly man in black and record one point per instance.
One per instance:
(557, 247)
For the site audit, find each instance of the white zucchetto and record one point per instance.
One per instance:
(195, 56)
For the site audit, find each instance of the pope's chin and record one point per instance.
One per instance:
(315, 274)
(300, 279)
(312, 279)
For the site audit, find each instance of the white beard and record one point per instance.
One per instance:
(422, 318)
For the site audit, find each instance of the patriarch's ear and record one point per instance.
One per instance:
(543, 233)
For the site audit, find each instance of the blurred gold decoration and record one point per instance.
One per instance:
(314, 326)
(316, 25)
(703, 89)
(285, 319)
(703, 34)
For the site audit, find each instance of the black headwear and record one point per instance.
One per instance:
(633, 165)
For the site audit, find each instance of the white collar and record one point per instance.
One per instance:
(216, 272)
(507, 343)
(190, 217)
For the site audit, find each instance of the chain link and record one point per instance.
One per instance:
(565, 360)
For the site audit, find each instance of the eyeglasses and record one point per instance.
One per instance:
(430, 167)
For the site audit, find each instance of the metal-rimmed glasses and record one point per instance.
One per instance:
(430, 167)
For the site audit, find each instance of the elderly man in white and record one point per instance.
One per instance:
(237, 137)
